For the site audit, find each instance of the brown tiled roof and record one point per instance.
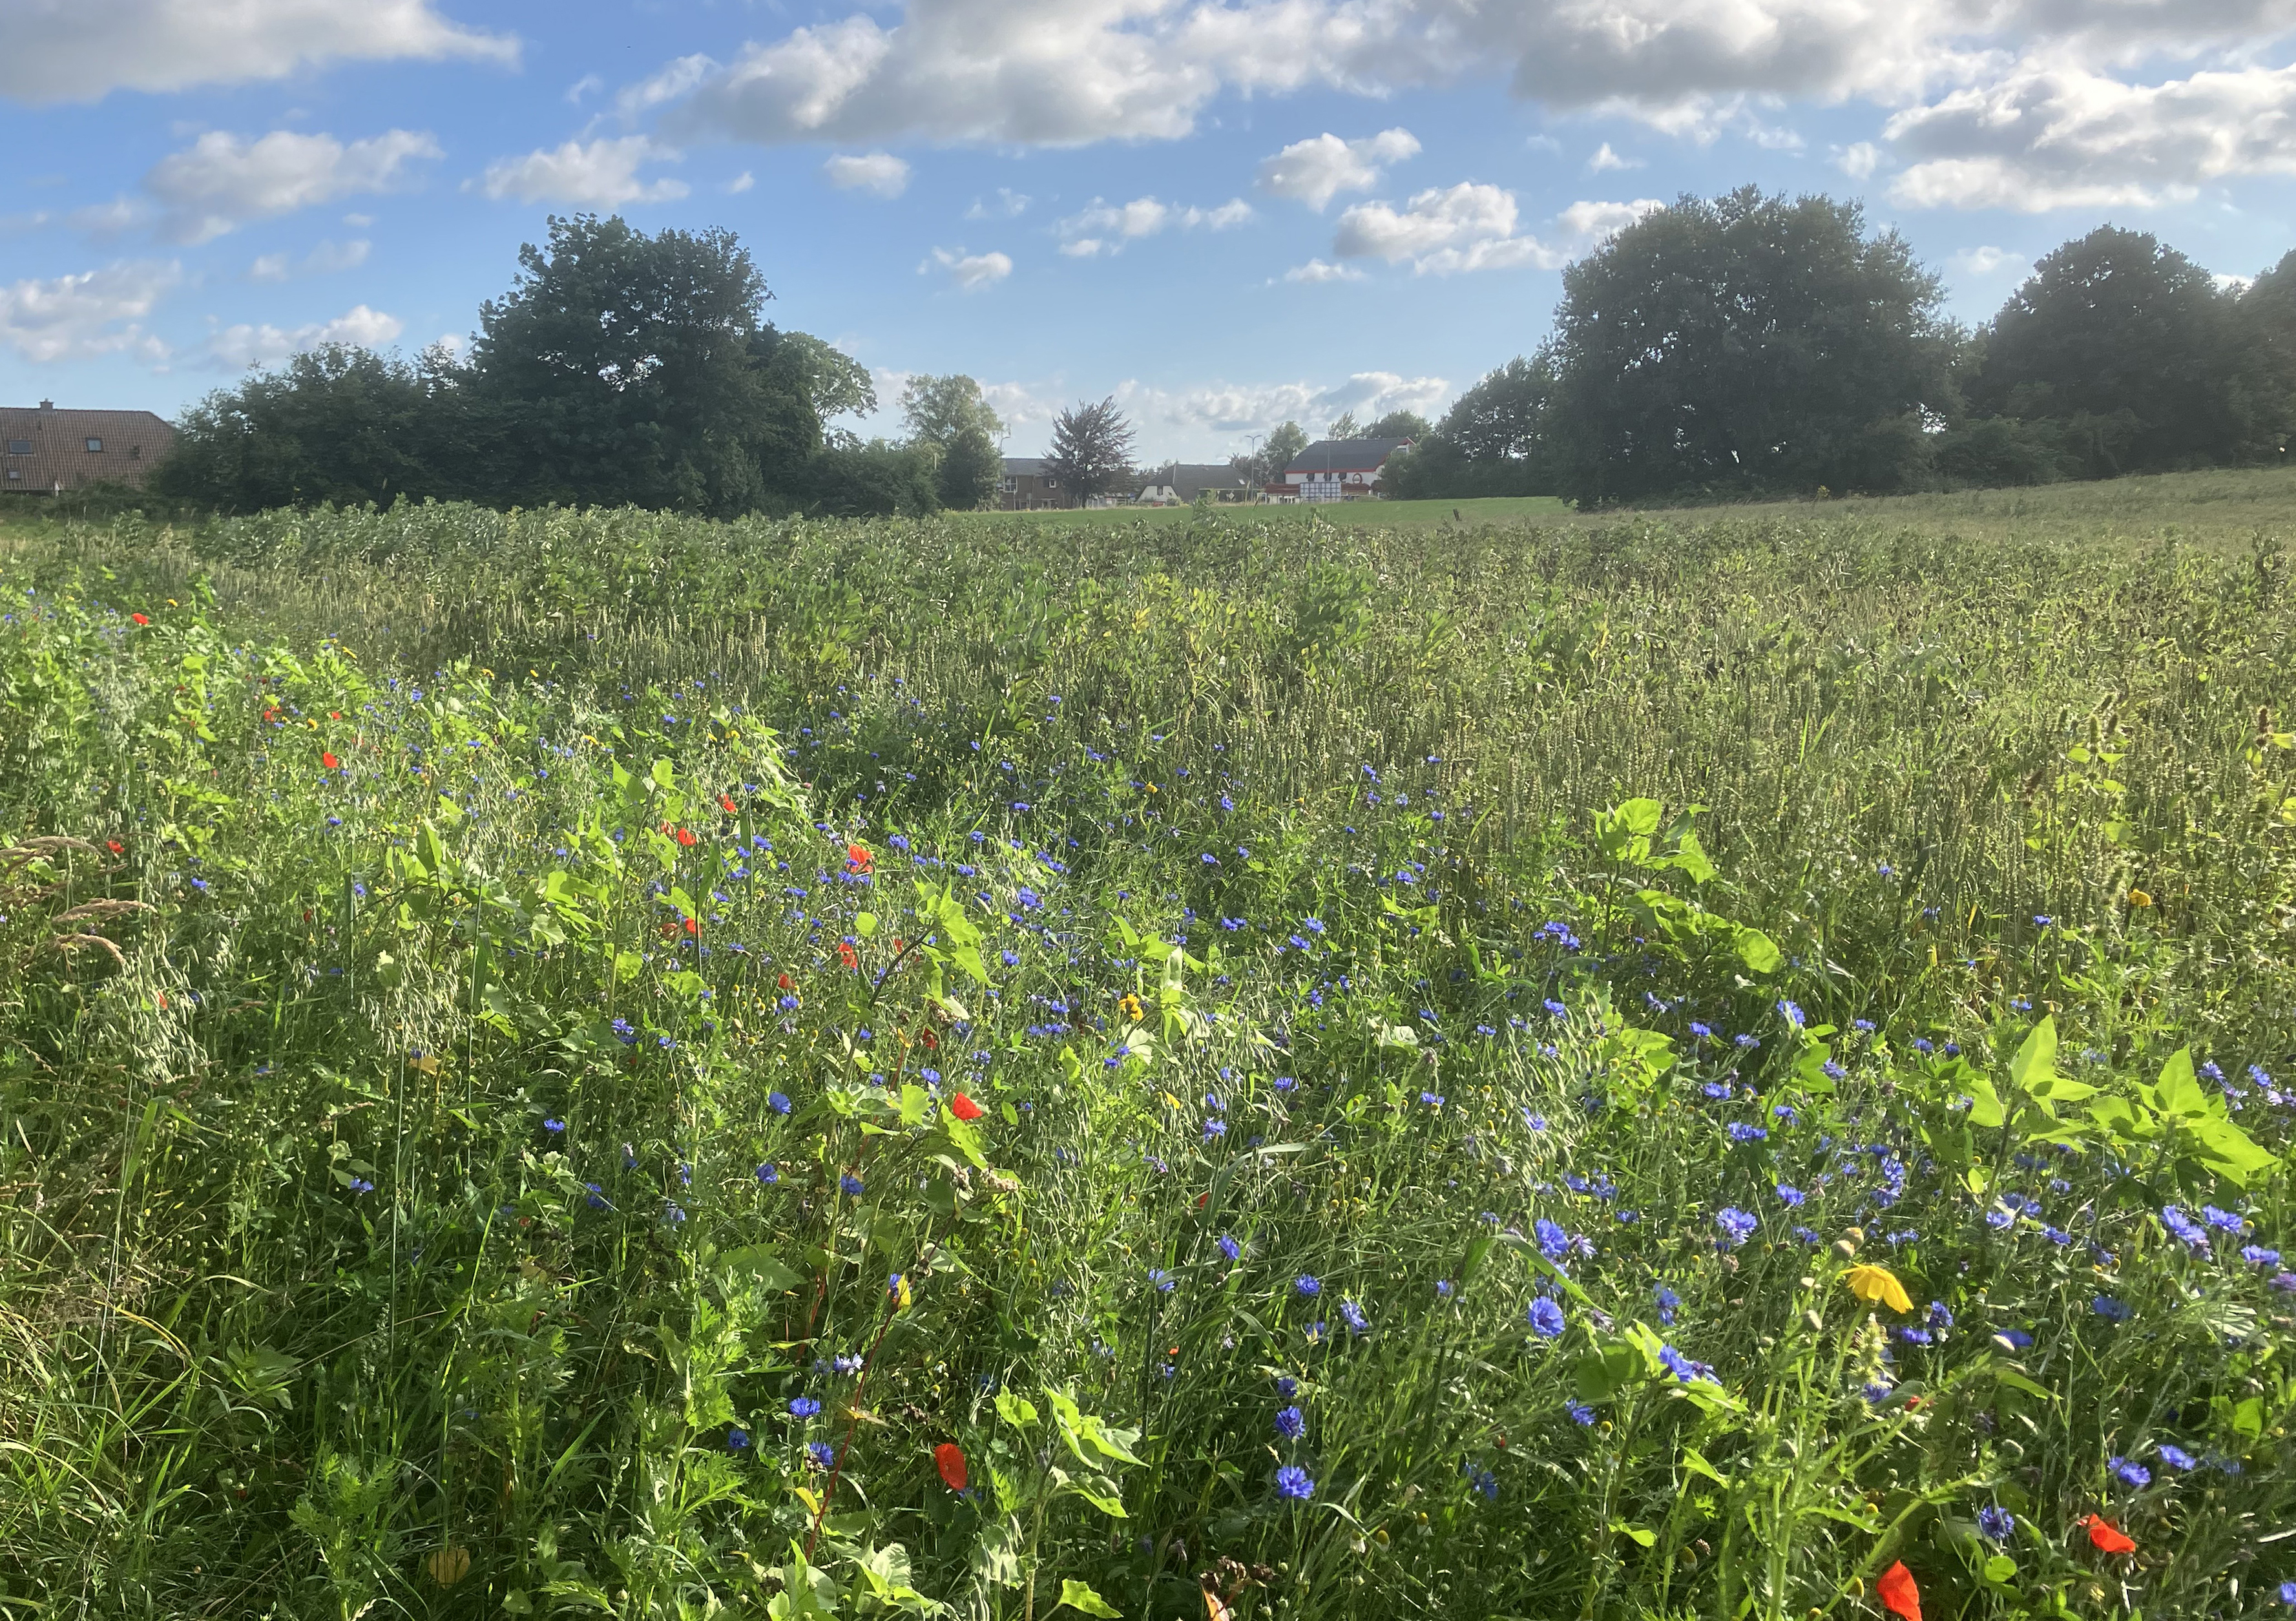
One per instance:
(43, 449)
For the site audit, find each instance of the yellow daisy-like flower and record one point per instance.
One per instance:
(1872, 1283)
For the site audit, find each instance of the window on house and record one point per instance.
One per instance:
(15, 473)
(135, 453)
(95, 444)
(20, 447)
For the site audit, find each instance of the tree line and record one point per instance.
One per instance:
(620, 369)
(1761, 344)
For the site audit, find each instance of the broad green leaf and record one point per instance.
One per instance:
(2179, 1093)
(1985, 1103)
(2228, 1151)
(2035, 1063)
(1759, 952)
(1636, 1535)
(1080, 1596)
(864, 923)
(1016, 1411)
(1691, 858)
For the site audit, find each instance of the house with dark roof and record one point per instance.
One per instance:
(46, 452)
(1179, 483)
(1335, 470)
(1025, 487)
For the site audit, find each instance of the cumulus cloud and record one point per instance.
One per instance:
(325, 259)
(1859, 161)
(601, 174)
(972, 272)
(96, 312)
(1320, 270)
(1103, 228)
(237, 347)
(879, 173)
(1589, 223)
(1010, 204)
(1988, 261)
(2058, 137)
(1604, 159)
(1317, 169)
(85, 50)
(222, 181)
(1468, 226)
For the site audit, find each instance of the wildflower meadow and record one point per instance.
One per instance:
(1728, 1066)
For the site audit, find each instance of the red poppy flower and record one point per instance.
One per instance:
(848, 956)
(728, 801)
(948, 1458)
(857, 859)
(692, 927)
(899, 945)
(1900, 1596)
(783, 980)
(327, 762)
(2107, 1538)
(140, 618)
(965, 1107)
(686, 836)
(115, 846)
(930, 1041)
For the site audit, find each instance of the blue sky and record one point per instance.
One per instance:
(1226, 212)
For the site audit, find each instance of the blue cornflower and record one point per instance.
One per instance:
(2224, 1221)
(1286, 1387)
(360, 1184)
(1160, 1279)
(622, 1028)
(1229, 1248)
(2130, 1474)
(769, 1174)
(821, 1454)
(2184, 1228)
(1790, 1195)
(1668, 1303)
(1740, 1131)
(2288, 1592)
(1546, 1318)
(1940, 1315)
(1292, 1484)
(1553, 1241)
(1677, 1365)
(1737, 1227)
(1290, 1423)
(1581, 1415)
(736, 1438)
(852, 1184)
(1702, 1032)
(2257, 1255)
(1308, 1285)
(1215, 1127)
(597, 1196)
(803, 1407)
(1791, 1014)
(1353, 1315)
(554, 1127)
(1995, 1524)
(778, 1102)
(2177, 1457)
(2110, 1309)
(788, 1004)
(1555, 1008)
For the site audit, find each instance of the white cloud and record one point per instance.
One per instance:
(1104, 228)
(1604, 159)
(1207, 421)
(221, 181)
(740, 184)
(237, 347)
(1318, 270)
(1859, 161)
(1317, 169)
(589, 84)
(970, 272)
(1591, 222)
(601, 174)
(96, 312)
(2057, 137)
(1010, 204)
(879, 173)
(1988, 261)
(1467, 227)
(325, 259)
(83, 50)
(104, 220)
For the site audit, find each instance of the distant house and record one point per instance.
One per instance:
(1179, 483)
(46, 451)
(1024, 487)
(1335, 470)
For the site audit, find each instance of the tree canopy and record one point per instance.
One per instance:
(948, 419)
(1091, 452)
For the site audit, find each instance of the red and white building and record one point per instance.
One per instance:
(1335, 470)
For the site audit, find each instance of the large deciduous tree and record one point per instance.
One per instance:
(1091, 451)
(1748, 343)
(947, 417)
(1491, 442)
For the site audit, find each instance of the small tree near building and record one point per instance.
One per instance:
(1092, 451)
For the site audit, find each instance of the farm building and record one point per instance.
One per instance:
(1335, 470)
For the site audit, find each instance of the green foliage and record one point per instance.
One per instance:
(1493, 441)
(1743, 344)
(1091, 451)
(550, 948)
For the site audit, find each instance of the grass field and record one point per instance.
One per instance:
(1726, 1063)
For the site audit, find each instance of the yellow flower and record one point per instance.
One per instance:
(2137, 897)
(449, 1566)
(1871, 1283)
